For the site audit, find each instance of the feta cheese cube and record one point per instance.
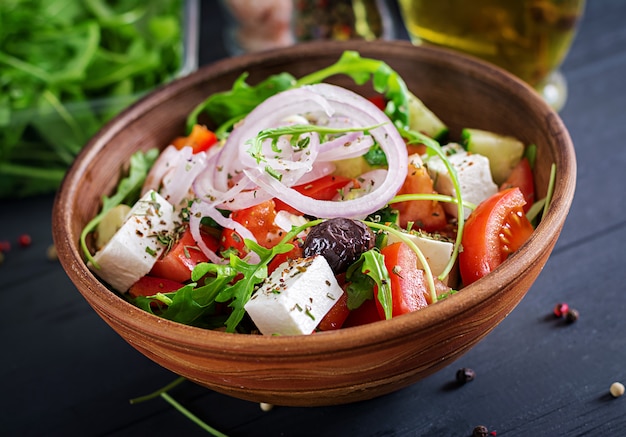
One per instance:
(134, 248)
(473, 173)
(295, 297)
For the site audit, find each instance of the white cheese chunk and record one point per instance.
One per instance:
(473, 173)
(295, 297)
(436, 252)
(134, 248)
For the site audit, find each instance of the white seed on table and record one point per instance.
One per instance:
(265, 406)
(617, 389)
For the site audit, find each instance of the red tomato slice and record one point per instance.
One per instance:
(200, 139)
(408, 283)
(522, 177)
(259, 220)
(178, 262)
(324, 188)
(426, 214)
(150, 285)
(366, 313)
(494, 230)
(336, 317)
(231, 240)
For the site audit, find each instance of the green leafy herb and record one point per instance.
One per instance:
(163, 393)
(239, 293)
(192, 301)
(229, 106)
(127, 192)
(66, 67)
(375, 156)
(368, 270)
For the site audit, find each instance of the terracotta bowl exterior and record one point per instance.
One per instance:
(357, 363)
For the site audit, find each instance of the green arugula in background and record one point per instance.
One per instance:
(68, 66)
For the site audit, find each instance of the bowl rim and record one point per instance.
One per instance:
(348, 339)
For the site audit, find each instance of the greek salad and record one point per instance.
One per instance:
(307, 207)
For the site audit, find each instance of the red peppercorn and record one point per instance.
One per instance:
(5, 246)
(24, 240)
(561, 309)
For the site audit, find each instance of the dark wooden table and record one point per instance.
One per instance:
(64, 372)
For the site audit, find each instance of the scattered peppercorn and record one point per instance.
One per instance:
(571, 316)
(464, 375)
(24, 240)
(561, 309)
(5, 246)
(1, 257)
(480, 431)
(617, 389)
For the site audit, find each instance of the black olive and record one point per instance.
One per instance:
(340, 240)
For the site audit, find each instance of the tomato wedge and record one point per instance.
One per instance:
(366, 313)
(408, 283)
(178, 262)
(258, 219)
(200, 139)
(522, 177)
(324, 188)
(336, 317)
(428, 215)
(150, 285)
(494, 230)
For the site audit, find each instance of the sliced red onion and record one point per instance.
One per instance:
(177, 183)
(167, 160)
(233, 179)
(362, 113)
(234, 156)
(350, 145)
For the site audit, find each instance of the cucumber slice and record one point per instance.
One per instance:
(422, 119)
(503, 152)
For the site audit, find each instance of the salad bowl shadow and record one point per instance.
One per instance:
(346, 365)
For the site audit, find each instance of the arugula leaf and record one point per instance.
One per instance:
(127, 191)
(229, 106)
(66, 67)
(191, 302)
(369, 270)
(240, 292)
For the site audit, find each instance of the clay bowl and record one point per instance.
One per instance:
(357, 363)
